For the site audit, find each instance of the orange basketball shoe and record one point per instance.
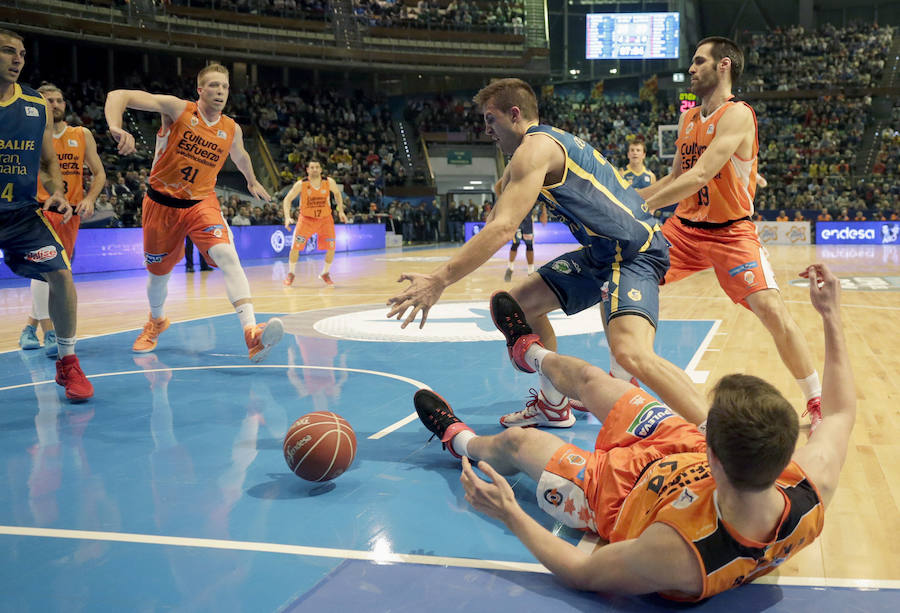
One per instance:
(71, 377)
(327, 279)
(289, 279)
(147, 339)
(262, 337)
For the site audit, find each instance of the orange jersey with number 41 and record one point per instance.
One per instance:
(729, 195)
(190, 154)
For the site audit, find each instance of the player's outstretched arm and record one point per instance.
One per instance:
(85, 208)
(120, 99)
(659, 560)
(526, 171)
(823, 456)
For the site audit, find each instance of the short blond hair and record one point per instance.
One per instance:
(214, 67)
(49, 88)
(507, 93)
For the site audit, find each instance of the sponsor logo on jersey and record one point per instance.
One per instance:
(154, 258)
(685, 499)
(749, 277)
(194, 121)
(216, 230)
(221, 134)
(711, 129)
(645, 423)
(634, 294)
(553, 497)
(44, 254)
(739, 269)
(72, 142)
(30, 111)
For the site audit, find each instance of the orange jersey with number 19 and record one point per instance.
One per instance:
(190, 154)
(69, 147)
(729, 195)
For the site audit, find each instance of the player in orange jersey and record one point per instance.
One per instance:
(714, 180)
(75, 147)
(687, 516)
(191, 147)
(315, 217)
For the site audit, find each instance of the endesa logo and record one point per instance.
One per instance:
(44, 254)
(860, 233)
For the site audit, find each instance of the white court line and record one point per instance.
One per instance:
(380, 434)
(700, 376)
(382, 558)
(588, 542)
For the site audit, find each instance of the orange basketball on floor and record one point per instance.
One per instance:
(319, 446)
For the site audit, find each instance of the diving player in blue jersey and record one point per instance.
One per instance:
(623, 256)
(30, 246)
(635, 172)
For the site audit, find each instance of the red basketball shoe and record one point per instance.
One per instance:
(289, 279)
(438, 417)
(326, 278)
(539, 412)
(510, 320)
(71, 377)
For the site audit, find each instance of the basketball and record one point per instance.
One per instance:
(319, 446)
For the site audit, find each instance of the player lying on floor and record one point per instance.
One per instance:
(687, 516)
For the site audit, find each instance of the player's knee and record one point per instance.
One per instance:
(224, 256)
(632, 356)
(529, 245)
(512, 440)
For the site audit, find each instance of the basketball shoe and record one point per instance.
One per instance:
(510, 320)
(147, 339)
(289, 279)
(71, 377)
(327, 279)
(28, 339)
(507, 276)
(438, 417)
(262, 337)
(814, 410)
(539, 412)
(51, 349)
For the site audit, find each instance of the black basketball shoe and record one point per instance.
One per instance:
(438, 417)
(509, 318)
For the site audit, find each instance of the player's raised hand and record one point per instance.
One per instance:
(824, 289)
(494, 497)
(124, 140)
(57, 202)
(423, 292)
(258, 191)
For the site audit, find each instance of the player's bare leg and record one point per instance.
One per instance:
(292, 262)
(325, 275)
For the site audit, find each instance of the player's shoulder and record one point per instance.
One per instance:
(31, 95)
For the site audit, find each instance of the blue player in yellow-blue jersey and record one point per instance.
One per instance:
(30, 246)
(623, 257)
(635, 172)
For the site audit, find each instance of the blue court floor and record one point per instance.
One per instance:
(169, 490)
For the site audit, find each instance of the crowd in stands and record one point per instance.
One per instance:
(295, 9)
(793, 59)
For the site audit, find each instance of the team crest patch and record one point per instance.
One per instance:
(749, 277)
(711, 129)
(648, 419)
(216, 230)
(30, 111)
(194, 121)
(690, 127)
(73, 142)
(154, 258)
(634, 294)
(553, 497)
(575, 460)
(220, 134)
(685, 500)
(44, 254)
(561, 266)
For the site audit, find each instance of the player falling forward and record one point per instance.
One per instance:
(74, 147)
(315, 217)
(191, 147)
(714, 180)
(30, 246)
(623, 259)
(687, 516)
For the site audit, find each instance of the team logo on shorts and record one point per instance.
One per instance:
(154, 258)
(575, 460)
(553, 497)
(739, 269)
(648, 419)
(645, 208)
(44, 254)
(604, 292)
(749, 277)
(634, 294)
(216, 230)
(561, 266)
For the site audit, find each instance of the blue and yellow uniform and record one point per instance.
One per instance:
(624, 255)
(638, 181)
(29, 244)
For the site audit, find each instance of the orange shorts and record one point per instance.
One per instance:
(739, 259)
(586, 490)
(307, 226)
(165, 228)
(65, 232)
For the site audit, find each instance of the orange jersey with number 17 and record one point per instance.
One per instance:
(190, 154)
(315, 202)
(69, 147)
(729, 195)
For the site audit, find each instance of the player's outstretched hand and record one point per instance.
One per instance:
(824, 289)
(422, 293)
(124, 140)
(57, 202)
(494, 497)
(258, 191)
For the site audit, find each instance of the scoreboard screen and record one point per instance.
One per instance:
(632, 36)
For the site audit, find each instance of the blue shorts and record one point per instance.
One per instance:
(29, 244)
(524, 232)
(628, 287)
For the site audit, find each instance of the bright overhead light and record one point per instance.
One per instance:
(476, 182)
(613, 70)
(468, 187)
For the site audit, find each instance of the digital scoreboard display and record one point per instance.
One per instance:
(687, 101)
(632, 36)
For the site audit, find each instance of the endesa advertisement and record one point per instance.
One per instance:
(858, 233)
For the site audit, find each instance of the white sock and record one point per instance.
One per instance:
(157, 290)
(511, 265)
(66, 346)
(292, 265)
(460, 442)
(535, 356)
(553, 396)
(617, 370)
(530, 269)
(326, 268)
(40, 300)
(811, 385)
(246, 314)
